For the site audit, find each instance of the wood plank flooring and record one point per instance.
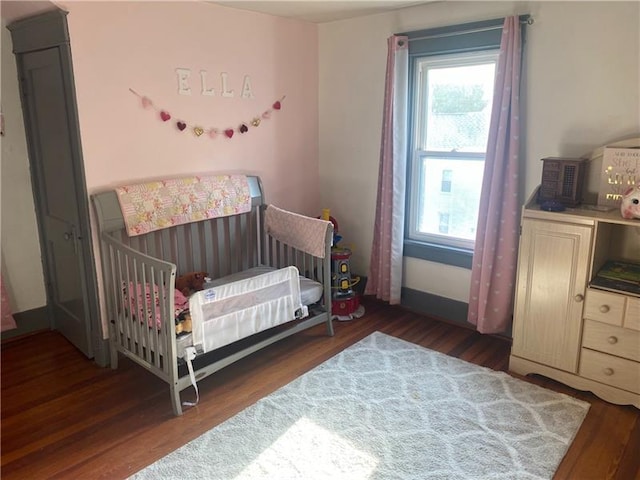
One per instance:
(64, 417)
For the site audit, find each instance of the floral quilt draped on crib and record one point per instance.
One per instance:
(156, 205)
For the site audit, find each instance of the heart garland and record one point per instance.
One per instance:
(212, 133)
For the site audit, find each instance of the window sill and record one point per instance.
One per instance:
(458, 257)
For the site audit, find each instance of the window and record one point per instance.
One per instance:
(443, 226)
(450, 95)
(452, 100)
(445, 183)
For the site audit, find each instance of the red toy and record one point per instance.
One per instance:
(345, 303)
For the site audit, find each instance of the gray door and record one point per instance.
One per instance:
(51, 149)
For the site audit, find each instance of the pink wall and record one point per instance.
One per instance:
(121, 45)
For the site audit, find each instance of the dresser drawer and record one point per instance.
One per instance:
(632, 313)
(614, 371)
(617, 341)
(604, 307)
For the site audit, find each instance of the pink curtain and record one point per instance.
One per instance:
(494, 259)
(8, 322)
(385, 271)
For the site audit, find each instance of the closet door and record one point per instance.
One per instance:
(48, 101)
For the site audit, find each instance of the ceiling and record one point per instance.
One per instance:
(315, 11)
(320, 11)
(14, 10)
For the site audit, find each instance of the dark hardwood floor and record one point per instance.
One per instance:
(64, 417)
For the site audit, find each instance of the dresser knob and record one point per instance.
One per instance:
(612, 340)
(604, 308)
(608, 371)
(578, 298)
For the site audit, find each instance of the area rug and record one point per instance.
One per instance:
(387, 409)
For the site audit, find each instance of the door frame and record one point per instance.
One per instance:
(39, 32)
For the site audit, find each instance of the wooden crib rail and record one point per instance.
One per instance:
(278, 254)
(140, 306)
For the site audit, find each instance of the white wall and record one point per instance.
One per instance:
(21, 259)
(581, 91)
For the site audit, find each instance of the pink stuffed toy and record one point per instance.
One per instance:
(630, 206)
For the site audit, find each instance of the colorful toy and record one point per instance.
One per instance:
(345, 302)
(184, 323)
(630, 205)
(326, 215)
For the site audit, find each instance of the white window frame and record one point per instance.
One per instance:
(419, 140)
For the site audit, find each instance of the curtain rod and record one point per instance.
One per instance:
(528, 21)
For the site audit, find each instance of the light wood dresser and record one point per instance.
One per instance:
(564, 327)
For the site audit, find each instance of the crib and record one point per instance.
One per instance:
(232, 249)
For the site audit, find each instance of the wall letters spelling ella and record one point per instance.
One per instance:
(184, 75)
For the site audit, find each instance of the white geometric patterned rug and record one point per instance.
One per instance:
(387, 409)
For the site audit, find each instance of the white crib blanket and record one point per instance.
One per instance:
(224, 314)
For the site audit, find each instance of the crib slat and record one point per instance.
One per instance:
(117, 301)
(214, 251)
(151, 332)
(236, 249)
(165, 334)
(276, 253)
(136, 243)
(173, 245)
(191, 249)
(127, 319)
(285, 254)
(207, 247)
(241, 240)
(250, 239)
(252, 245)
(278, 249)
(259, 236)
(134, 281)
(228, 246)
(199, 247)
(181, 240)
(165, 316)
(143, 324)
(140, 244)
(150, 245)
(123, 326)
(232, 246)
(269, 260)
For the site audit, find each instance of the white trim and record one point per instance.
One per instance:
(422, 65)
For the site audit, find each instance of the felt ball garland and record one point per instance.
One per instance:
(212, 132)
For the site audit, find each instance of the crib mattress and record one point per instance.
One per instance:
(241, 317)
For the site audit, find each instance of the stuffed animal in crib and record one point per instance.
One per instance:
(191, 282)
(630, 206)
(184, 323)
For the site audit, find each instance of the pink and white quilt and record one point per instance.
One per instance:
(8, 321)
(156, 205)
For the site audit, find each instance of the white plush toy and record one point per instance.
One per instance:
(630, 206)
